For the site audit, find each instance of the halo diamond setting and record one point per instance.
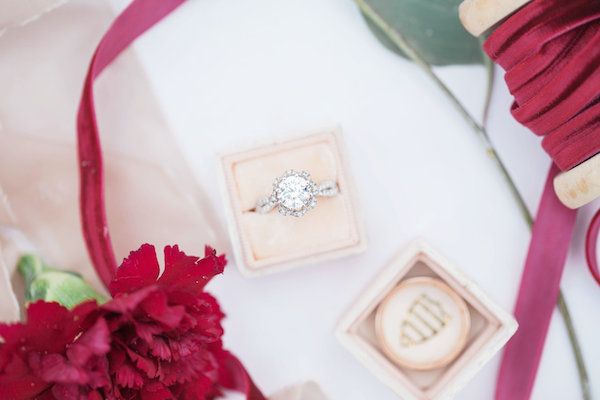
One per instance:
(294, 193)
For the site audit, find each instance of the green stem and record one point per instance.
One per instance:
(399, 40)
(583, 375)
(489, 68)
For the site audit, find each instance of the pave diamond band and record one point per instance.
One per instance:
(294, 193)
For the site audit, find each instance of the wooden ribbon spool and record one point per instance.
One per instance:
(581, 184)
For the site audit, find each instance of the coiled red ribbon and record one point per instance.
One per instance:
(550, 50)
(551, 53)
(136, 19)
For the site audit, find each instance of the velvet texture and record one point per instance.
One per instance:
(550, 50)
(551, 53)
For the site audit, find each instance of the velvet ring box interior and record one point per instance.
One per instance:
(266, 243)
(489, 326)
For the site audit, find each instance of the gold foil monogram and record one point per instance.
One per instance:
(425, 319)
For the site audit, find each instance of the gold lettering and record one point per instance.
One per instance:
(425, 319)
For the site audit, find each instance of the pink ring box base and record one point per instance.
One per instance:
(266, 243)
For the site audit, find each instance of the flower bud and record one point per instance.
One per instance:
(49, 284)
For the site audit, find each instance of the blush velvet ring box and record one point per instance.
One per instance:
(422, 327)
(269, 242)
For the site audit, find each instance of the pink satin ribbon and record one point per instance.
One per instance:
(538, 293)
(550, 50)
(136, 19)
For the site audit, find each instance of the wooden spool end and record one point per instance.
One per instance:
(477, 16)
(581, 184)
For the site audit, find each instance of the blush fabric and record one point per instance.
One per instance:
(550, 50)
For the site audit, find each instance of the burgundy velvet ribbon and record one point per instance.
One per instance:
(550, 50)
(136, 19)
(537, 296)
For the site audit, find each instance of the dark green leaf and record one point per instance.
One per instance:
(431, 27)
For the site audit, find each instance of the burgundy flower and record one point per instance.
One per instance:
(165, 330)
(158, 338)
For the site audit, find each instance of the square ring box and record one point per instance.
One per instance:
(422, 327)
(271, 242)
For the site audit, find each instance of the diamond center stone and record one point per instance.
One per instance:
(294, 192)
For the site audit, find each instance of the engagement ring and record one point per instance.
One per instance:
(294, 193)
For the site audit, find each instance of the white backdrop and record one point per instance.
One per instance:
(231, 72)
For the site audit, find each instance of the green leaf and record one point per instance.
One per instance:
(431, 27)
(45, 283)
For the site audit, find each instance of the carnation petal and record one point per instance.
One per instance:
(95, 396)
(21, 386)
(49, 327)
(99, 374)
(128, 377)
(156, 391)
(65, 392)
(156, 307)
(124, 303)
(94, 342)
(188, 272)
(201, 388)
(138, 270)
(146, 331)
(56, 369)
(159, 348)
(187, 368)
(146, 365)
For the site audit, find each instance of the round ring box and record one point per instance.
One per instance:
(422, 324)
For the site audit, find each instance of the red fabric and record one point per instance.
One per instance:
(137, 18)
(550, 50)
(233, 376)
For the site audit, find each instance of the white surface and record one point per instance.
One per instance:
(235, 71)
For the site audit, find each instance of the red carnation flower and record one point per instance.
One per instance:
(165, 331)
(158, 338)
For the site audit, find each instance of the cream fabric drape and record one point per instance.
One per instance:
(151, 193)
